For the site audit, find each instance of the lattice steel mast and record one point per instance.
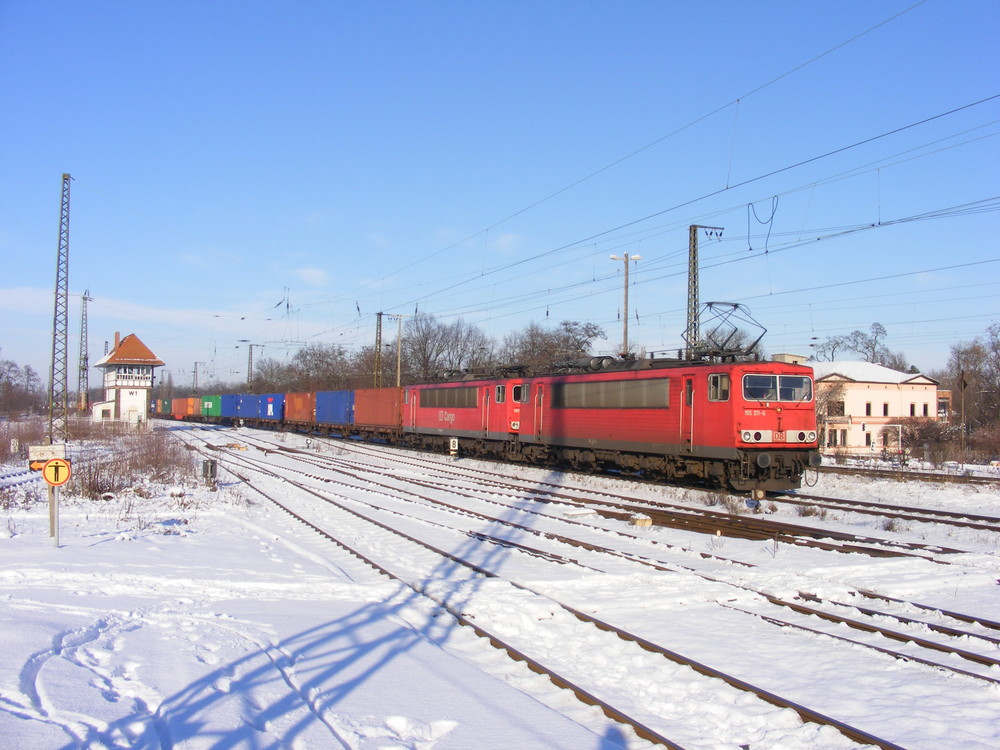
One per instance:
(59, 371)
(692, 334)
(83, 384)
(378, 351)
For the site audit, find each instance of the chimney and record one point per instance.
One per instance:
(117, 340)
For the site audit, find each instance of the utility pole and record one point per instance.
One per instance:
(692, 334)
(83, 384)
(59, 371)
(626, 258)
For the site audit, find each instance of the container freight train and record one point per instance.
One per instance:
(744, 426)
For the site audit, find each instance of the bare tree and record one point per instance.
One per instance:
(466, 345)
(320, 367)
(973, 375)
(271, 376)
(21, 388)
(537, 348)
(869, 345)
(425, 344)
(827, 350)
(922, 434)
(829, 403)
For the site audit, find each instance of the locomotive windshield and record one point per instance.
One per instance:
(777, 388)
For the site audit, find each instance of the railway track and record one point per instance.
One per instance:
(905, 629)
(350, 475)
(959, 519)
(908, 475)
(703, 520)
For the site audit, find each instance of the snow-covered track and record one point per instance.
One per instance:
(907, 475)
(639, 728)
(558, 677)
(702, 520)
(959, 519)
(904, 630)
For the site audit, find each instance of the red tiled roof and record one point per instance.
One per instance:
(130, 351)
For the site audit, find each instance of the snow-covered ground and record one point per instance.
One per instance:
(212, 620)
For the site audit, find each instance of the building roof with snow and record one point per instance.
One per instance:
(866, 372)
(129, 351)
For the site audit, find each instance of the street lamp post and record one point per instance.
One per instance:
(625, 259)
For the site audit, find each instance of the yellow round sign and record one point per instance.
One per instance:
(56, 471)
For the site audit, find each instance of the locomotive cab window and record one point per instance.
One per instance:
(500, 394)
(777, 388)
(718, 387)
(520, 394)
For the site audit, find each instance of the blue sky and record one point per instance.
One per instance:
(268, 170)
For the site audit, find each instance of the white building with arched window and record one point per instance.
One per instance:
(860, 403)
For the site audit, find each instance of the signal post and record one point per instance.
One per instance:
(56, 470)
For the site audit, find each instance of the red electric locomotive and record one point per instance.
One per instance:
(747, 426)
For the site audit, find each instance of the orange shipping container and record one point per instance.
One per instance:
(377, 406)
(300, 407)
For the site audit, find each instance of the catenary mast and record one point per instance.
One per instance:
(59, 371)
(83, 386)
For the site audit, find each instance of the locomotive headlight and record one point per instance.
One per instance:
(757, 437)
(812, 437)
(802, 437)
(746, 436)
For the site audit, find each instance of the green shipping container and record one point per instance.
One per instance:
(211, 406)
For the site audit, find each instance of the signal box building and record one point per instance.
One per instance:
(128, 382)
(859, 404)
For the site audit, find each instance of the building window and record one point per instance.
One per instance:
(926, 410)
(885, 410)
(843, 438)
(868, 439)
(913, 410)
(868, 409)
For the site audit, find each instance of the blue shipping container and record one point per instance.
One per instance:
(247, 405)
(228, 406)
(272, 406)
(335, 407)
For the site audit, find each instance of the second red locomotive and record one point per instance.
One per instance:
(748, 426)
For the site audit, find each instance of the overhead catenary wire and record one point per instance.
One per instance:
(610, 165)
